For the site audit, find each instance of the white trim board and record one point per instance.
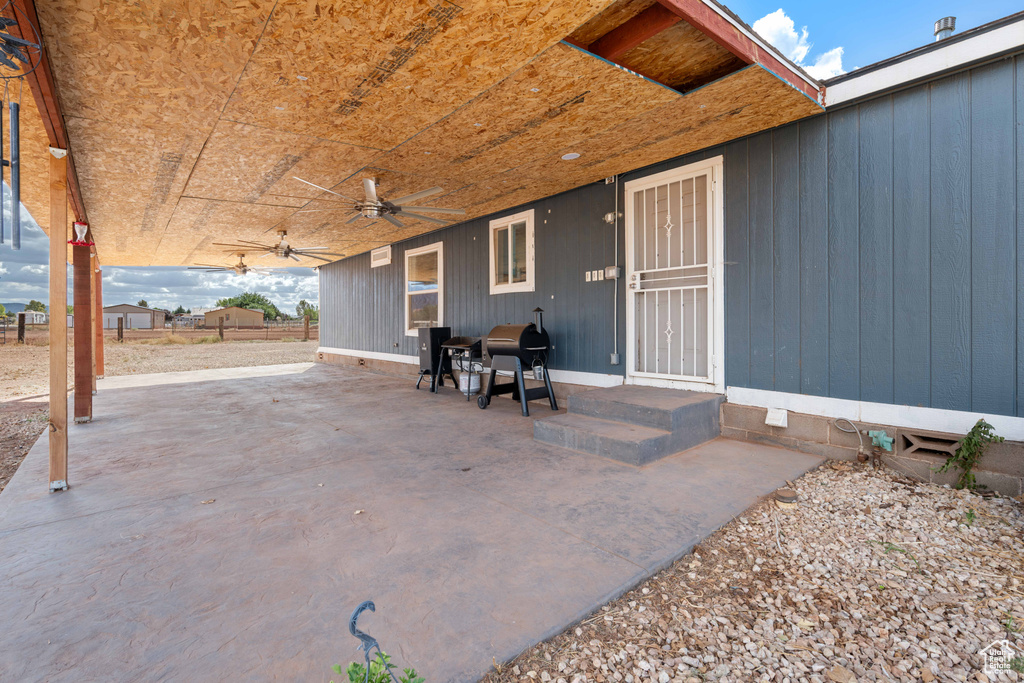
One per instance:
(956, 54)
(372, 355)
(589, 379)
(912, 417)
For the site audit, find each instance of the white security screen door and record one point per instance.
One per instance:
(673, 245)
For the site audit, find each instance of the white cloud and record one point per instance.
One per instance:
(827, 64)
(780, 30)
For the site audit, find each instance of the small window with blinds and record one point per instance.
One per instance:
(424, 288)
(511, 254)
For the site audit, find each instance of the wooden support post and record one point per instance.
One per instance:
(98, 321)
(92, 317)
(305, 328)
(59, 322)
(21, 327)
(81, 288)
(120, 328)
(220, 328)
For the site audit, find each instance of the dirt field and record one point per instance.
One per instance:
(39, 334)
(24, 376)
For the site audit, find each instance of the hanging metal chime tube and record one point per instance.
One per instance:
(3, 162)
(15, 179)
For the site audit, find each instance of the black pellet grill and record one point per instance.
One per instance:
(517, 349)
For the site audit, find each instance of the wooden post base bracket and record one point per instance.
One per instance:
(59, 485)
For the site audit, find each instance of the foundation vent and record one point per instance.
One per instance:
(935, 444)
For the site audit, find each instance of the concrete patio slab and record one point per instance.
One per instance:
(224, 527)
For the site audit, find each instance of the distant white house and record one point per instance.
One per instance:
(134, 317)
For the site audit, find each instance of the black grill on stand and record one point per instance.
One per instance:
(517, 349)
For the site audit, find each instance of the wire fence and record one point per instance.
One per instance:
(274, 331)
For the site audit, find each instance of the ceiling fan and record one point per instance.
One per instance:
(239, 268)
(372, 206)
(282, 249)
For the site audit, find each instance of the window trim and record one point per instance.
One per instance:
(426, 249)
(506, 222)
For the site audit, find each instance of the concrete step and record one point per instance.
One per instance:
(668, 409)
(633, 444)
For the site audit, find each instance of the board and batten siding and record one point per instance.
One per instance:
(362, 308)
(873, 253)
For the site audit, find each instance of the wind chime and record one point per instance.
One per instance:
(18, 58)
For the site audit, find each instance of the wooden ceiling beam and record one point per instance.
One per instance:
(624, 38)
(730, 36)
(44, 91)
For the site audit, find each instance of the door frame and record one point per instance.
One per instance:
(716, 258)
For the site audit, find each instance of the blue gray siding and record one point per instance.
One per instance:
(363, 308)
(884, 265)
(874, 253)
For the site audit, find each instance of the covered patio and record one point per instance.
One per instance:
(224, 524)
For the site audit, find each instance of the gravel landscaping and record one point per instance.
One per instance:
(868, 577)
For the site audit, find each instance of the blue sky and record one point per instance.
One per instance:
(24, 275)
(867, 31)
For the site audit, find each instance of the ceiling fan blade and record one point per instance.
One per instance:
(391, 219)
(269, 253)
(7, 38)
(340, 208)
(354, 218)
(324, 189)
(304, 252)
(310, 248)
(320, 257)
(433, 209)
(370, 190)
(293, 256)
(416, 195)
(421, 218)
(208, 268)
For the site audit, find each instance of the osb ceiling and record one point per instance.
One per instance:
(188, 120)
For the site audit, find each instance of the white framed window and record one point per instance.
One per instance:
(424, 287)
(511, 253)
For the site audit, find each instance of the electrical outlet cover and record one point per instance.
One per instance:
(588, 276)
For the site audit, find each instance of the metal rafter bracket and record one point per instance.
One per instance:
(59, 485)
(58, 153)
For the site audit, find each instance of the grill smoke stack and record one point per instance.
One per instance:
(944, 28)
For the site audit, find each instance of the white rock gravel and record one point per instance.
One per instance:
(869, 577)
